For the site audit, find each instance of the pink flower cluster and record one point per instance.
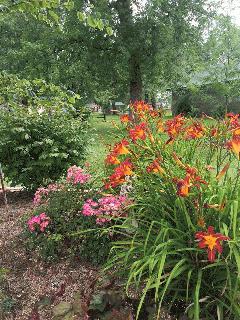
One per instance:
(41, 221)
(39, 194)
(76, 175)
(42, 193)
(110, 205)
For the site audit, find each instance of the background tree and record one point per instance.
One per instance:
(153, 45)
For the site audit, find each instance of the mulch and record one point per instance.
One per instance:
(29, 280)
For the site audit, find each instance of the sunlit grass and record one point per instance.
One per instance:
(103, 134)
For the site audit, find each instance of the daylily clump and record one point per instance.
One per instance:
(184, 176)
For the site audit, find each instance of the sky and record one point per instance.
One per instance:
(230, 7)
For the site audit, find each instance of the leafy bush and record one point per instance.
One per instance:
(41, 131)
(182, 238)
(15, 92)
(37, 148)
(68, 218)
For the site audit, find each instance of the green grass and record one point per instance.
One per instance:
(103, 134)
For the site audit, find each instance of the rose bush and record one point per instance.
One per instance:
(182, 233)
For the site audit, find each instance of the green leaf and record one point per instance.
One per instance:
(69, 5)
(100, 24)
(109, 31)
(91, 22)
(54, 16)
(196, 296)
(81, 16)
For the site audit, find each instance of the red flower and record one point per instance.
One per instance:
(138, 132)
(125, 118)
(210, 241)
(196, 130)
(183, 186)
(155, 167)
(121, 148)
(174, 126)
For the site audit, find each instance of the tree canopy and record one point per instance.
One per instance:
(152, 44)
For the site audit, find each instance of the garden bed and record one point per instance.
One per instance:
(32, 287)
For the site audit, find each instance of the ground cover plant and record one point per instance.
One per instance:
(181, 237)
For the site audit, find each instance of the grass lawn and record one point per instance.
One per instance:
(103, 135)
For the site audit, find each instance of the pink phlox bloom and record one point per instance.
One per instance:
(41, 220)
(110, 205)
(90, 208)
(39, 194)
(76, 175)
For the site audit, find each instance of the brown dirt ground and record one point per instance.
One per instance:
(29, 279)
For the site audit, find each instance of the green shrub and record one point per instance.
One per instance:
(16, 92)
(36, 149)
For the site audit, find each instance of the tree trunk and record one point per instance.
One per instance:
(135, 78)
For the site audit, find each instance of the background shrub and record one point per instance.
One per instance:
(42, 133)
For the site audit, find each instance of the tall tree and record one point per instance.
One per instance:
(151, 41)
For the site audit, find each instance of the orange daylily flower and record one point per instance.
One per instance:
(112, 159)
(183, 186)
(121, 147)
(191, 179)
(138, 132)
(236, 132)
(125, 118)
(140, 107)
(195, 131)
(125, 168)
(234, 145)
(155, 167)
(174, 127)
(120, 173)
(233, 119)
(211, 241)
